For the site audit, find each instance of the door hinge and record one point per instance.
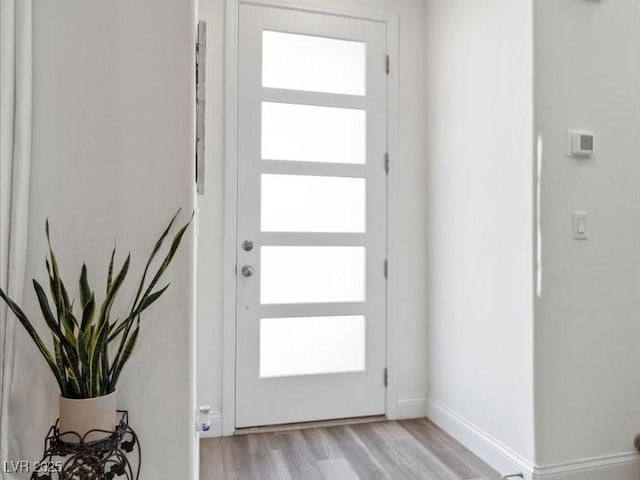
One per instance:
(387, 64)
(386, 268)
(386, 162)
(386, 377)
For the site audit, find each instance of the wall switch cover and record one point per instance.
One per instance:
(580, 225)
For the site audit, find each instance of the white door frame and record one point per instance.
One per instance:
(231, 192)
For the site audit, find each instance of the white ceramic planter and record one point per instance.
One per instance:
(83, 415)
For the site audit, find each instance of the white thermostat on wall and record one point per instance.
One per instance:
(581, 143)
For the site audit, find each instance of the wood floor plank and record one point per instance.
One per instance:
(265, 462)
(281, 469)
(481, 469)
(430, 435)
(405, 450)
(211, 458)
(366, 465)
(451, 453)
(418, 460)
(320, 444)
(393, 465)
(297, 455)
(234, 459)
(336, 469)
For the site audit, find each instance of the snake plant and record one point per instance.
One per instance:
(89, 348)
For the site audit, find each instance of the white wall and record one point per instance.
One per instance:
(113, 159)
(211, 217)
(587, 70)
(411, 167)
(480, 221)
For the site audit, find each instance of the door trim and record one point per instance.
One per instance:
(231, 192)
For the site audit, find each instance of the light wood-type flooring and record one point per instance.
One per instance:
(403, 450)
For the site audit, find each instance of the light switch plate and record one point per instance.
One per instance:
(580, 225)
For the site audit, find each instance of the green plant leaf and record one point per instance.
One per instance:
(45, 308)
(135, 309)
(150, 299)
(83, 355)
(87, 300)
(74, 385)
(88, 313)
(22, 318)
(85, 289)
(110, 272)
(113, 291)
(59, 360)
(116, 329)
(59, 292)
(128, 350)
(169, 257)
(68, 343)
(104, 370)
(154, 251)
(96, 352)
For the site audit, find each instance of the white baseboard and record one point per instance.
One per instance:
(490, 450)
(411, 408)
(622, 466)
(216, 426)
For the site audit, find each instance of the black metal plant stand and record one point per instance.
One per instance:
(105, 459)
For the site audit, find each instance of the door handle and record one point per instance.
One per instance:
(247, 270)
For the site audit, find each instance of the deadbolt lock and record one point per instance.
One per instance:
(247, 245)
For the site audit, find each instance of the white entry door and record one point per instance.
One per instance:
(311, 248)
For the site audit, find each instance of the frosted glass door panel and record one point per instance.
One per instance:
(311, 345)
(309, 133)
(316, 64)
(305, 203)
(312, 274)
